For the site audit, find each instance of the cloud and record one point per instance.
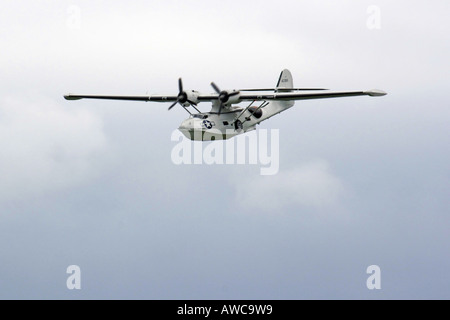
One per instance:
(46, 147)
(391, 153)
(309, 185)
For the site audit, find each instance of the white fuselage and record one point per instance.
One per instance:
(231, 122)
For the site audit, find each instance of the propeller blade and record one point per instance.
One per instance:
(220, 109)
(216, 88)
(180, 84)
(173, 105)
(233, 93)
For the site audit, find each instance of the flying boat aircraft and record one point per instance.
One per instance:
(226, 118)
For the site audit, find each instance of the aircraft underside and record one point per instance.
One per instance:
(235, 120)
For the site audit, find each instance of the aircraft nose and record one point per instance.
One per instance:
(191, 124)
(186, 124)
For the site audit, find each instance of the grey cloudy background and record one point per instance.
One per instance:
(362, 180)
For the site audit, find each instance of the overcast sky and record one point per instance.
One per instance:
(362, 181)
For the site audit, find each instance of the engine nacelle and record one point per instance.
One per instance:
(189, 97)
(233, 99)
(229, 97)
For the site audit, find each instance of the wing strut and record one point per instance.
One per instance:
(265, 103)
(243, 111)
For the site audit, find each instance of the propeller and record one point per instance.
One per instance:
(182, 97)
(224, 95)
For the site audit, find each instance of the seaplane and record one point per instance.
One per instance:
(227, 118)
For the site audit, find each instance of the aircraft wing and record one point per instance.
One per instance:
(155, 98)
(308, 95)
(243, 96)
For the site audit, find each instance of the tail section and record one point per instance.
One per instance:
(284, 84)
(285, 81)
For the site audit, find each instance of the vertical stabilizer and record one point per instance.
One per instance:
(285, 81)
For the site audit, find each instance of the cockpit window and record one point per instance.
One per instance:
(200, 116)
